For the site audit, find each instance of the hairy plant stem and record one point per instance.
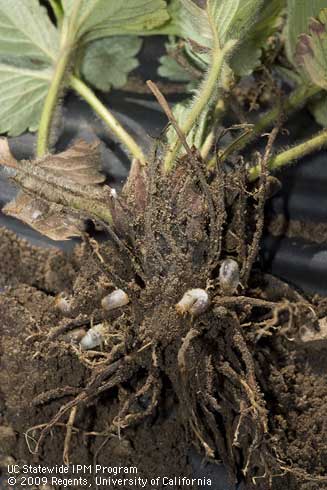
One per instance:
(288, 156)
(206, 92)
(294, 102)
(82, 89)
(67, 43)
(219, 111)
(53, 93)
(67, 38)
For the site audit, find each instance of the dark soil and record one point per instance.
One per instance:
(244, 382)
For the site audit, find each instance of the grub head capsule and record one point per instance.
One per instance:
(64, 304)
(116, 299)
(229, 276)
(194, 302)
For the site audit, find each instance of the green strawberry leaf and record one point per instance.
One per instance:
(26, 31)
(171, 69)
(29, 43)
(247, 55)
(22, 94)
(102, 18)
(213, 32)
(107, 62)
(318, 108)
(228, 19)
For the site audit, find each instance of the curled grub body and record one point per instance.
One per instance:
(114, 300)
(93, 337)
(229, 276)
(194, 302)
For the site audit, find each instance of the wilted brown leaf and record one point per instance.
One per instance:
(79, 165)
(50, 220)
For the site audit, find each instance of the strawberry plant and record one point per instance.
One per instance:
(168, 330)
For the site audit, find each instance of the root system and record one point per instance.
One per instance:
(244, 382)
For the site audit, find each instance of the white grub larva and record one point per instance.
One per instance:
(194, 302)
(113, 193)
(116, 299)
(229, 276)
(63, 303)
(93, 337)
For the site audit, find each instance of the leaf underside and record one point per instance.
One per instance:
(30, 47)
(26, 31)
(29, 43)
(107, 62)
(319, 110)
(247, 55)
(171, 69)
(22, 94)
(102, 18)
(80, 164)
(220, 24)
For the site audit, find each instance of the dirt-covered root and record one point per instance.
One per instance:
(102, 379)
(220, 400)
(81, 407)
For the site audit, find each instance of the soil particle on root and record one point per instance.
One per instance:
(240, 382)
(278, 225)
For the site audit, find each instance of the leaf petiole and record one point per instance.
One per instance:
(82, 89)
(57, 10)
(51, 103)
(206, 91)
(288, 156)
(219, 111)
(294, 102)
(57, 82)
